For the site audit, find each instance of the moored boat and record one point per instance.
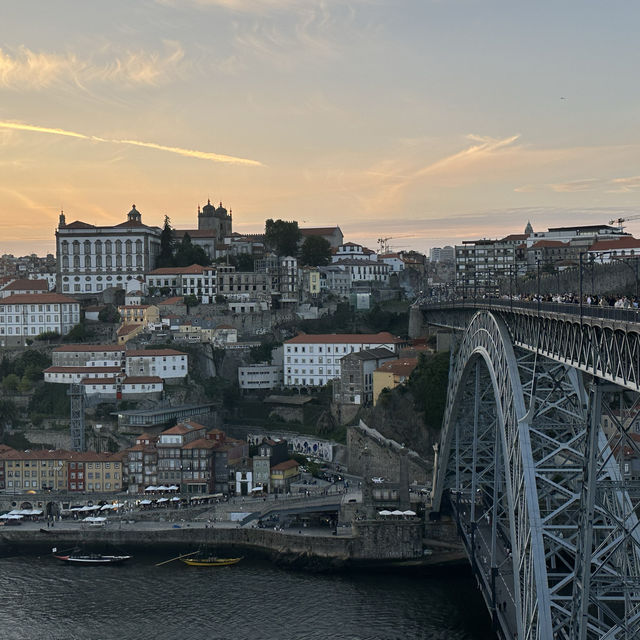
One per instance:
(79, 557)
(210, 561)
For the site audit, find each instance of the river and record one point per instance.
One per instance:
(45, 599)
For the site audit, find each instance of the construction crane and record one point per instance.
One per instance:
(384, 242)
(620, 221)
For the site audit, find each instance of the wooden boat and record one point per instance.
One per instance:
(210, 561)
(78, 557)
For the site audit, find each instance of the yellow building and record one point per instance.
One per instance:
(391, 374)
(35, 470)
(139, 314)
(283, 474)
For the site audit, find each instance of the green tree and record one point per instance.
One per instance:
(165, 257)
(109, 314)
(10, 382)
(191, 301)
(48, 336)
(77, 334)
(244, 262)
(428, 385)
(187, 253)
(315, 251)
(282, 237)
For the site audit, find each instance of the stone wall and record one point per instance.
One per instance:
(383, 456)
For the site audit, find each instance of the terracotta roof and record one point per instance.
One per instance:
(402, 367)
(178, 429)
(93, 308)
(27, 285)
(319, 231)
(193, 424)
(125, 329)
(515, 237)
(174, 300)
(344, 338)
(194, 269)
(38, 454)
(548, 243)
(201, 443)
(615, 245)
(134, 306)
(142, 380)
(93, 456)
(283, 466)
(39, 298)
(153, 352)
(83, 370)
(84, 348)
(195, 233)
(78, 224)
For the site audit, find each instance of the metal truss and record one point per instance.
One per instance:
(537, 491)
(77, 417)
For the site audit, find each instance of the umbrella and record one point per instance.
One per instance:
(173, 487)
(257, 489)
(175, 499)
(145, 501)
(397, 512)
(151, 488)
(162, 488)
(163, 499)
(384, 512)
(408, 512)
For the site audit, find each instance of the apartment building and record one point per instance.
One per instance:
(314, 360)
(184, 281)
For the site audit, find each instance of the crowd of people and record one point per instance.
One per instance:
(618, 302)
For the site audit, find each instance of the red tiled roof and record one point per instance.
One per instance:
(283, 466)
(78, 224)
(27, 285)
(134, 306)
(39, 298)
(399, 367)
(201, 443)
(84, 348)
(344, 338)
(614, 245)
(126, 329)
(142, 380)
(153, 352)
(174, 300)
(515, 237)
(194, 268)
(548, 243)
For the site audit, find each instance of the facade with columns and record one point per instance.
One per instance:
(92, 258)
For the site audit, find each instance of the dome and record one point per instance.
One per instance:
(221, 210)
(208, 209)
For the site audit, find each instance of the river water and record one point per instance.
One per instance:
(45, 599)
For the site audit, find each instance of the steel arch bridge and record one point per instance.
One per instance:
(543, 507)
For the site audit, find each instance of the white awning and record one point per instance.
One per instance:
(384, 512)
(151, 488)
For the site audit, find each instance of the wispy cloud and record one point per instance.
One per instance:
(587, 184)
(25, 69)
(627, 184)
(190, 153)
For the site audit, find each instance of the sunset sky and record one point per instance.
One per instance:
(429, 121)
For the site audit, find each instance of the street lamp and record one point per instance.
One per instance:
(538, 273)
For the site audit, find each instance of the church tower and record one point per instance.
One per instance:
(134, 215)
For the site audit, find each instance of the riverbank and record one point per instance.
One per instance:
(372, 543)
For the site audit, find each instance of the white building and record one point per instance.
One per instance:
(335, 279)
(76, 375)
(351, 250)
(393, 260)
(260, 376)
(22, 287)
(362, 270)
(25, 316)
(93, 258)
(125, 386)
(314, 360)
(604, 251)
(164, 363)
(184, 281)
(82, 355)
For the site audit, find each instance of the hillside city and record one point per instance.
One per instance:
(206, 361)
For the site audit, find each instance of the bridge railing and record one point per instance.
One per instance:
(567, 308)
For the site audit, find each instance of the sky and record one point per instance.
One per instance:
(425, 121)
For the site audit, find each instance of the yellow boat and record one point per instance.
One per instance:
(210, 561)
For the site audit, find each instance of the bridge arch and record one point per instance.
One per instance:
(487, 467)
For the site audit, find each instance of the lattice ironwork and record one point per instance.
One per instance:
(76, 392)
(538, 491)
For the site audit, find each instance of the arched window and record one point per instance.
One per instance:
(98, 247)
(128, 260)
(98, 261)
(108, 262)
(64, 247)
(138, 260)
(118, 246)
(138, 246)
(128, 246)
(87, 247)
(76, 248)
(87, 262)
(65, 262)
(118, 260)
(107, 246)
(76, 262)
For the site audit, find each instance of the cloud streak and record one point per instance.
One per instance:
(25, 69)
(190, 153)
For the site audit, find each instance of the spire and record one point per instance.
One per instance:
(62, 222)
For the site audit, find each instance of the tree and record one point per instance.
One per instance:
(282, 237)
(10, 382)
(48, 336)
(165, 257)
(315, 251)
(428, 385)
(109, 314)
(187, 253)
(191, 301)
(244, 262)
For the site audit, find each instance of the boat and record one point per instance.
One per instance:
(210, 561)
(76, 556)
